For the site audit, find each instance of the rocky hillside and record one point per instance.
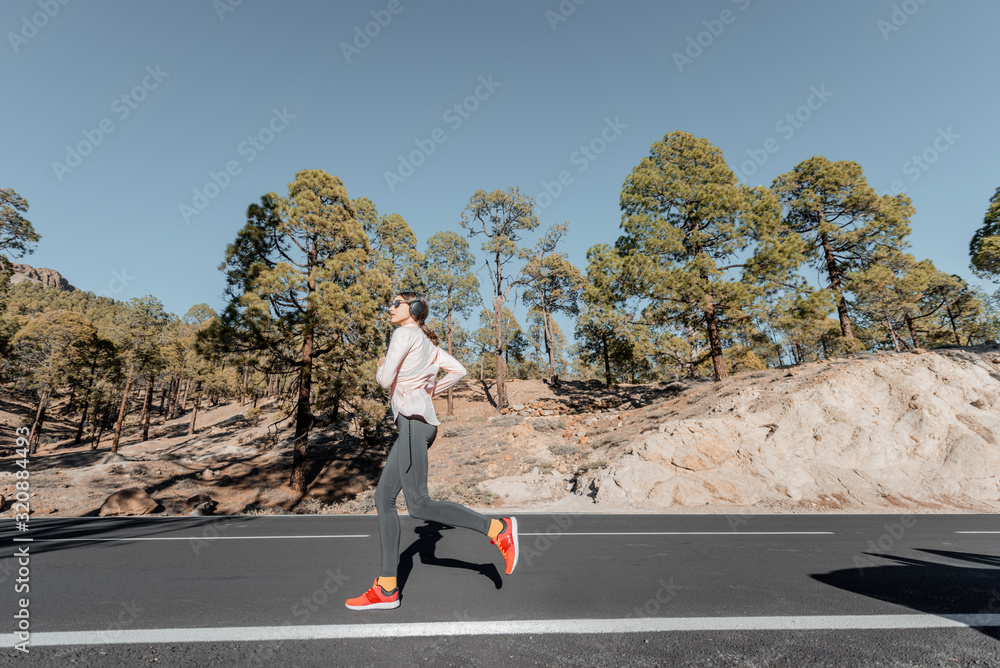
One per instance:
(47, 277)
(871, 433)
(877, 432)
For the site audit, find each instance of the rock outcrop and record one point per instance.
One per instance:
(47, 277)
(905, 430)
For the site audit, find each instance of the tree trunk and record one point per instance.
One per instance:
(954, 329)
(715, 341)
(175, 390)
(607, 360)
(121, 410)
(184, 401)
(243, 384)
(549, 348)
(303, 412)
(83, 421)
(451, 399)
(498, 329)
(833, 270)
(163, 399)
(913, 332)
(194, 413)
(36, 426)
(98, 427)
(147, 410)
(892, 333)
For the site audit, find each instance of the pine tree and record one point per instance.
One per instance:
(502, 217)
(451, 285)
(48, 350)
(687, 223)
(138, 335)
(842, 222)
(985, 245)
(554, 286)
(604, 329)
(17, 236)
(301, 290)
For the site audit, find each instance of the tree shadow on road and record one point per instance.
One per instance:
(429, 535)
(930, 587)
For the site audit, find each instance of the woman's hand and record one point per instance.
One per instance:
(380, 360)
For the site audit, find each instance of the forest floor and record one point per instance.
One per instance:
(903, 432)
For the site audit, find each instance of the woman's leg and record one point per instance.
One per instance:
(415, 437)
(388, 521)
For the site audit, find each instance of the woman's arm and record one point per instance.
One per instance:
(399, 345)
(453, 367)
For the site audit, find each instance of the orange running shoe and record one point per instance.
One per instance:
(374, 599)
(507, 542)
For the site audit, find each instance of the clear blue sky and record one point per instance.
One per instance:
(887, 81)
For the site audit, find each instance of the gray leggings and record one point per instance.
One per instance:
(406, 469)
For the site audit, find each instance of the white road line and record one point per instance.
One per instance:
(519, 627)
(60, 540)
(679, 533)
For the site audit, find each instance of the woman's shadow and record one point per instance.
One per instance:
(428, 536)
(965, 593)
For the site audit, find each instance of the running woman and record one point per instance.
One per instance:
(410, 368)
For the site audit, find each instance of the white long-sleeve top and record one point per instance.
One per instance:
(410, 367)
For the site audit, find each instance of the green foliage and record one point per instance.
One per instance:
(686, 223)
(802, 321)
(608, 336)
(305, 294)
(139, 334)
(49, 347)
(502, 217)
(554, 286)
(841, 222)
(452, 287)
(985, 245)
(17, 236)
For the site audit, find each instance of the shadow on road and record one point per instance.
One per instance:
(429, 534)
(929, 587)
(86, 533)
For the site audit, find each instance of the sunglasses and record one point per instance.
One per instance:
(396, 303)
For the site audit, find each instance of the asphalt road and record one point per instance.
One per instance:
(699, 590)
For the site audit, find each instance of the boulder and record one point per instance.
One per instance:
(201, 504)
(130, 501)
